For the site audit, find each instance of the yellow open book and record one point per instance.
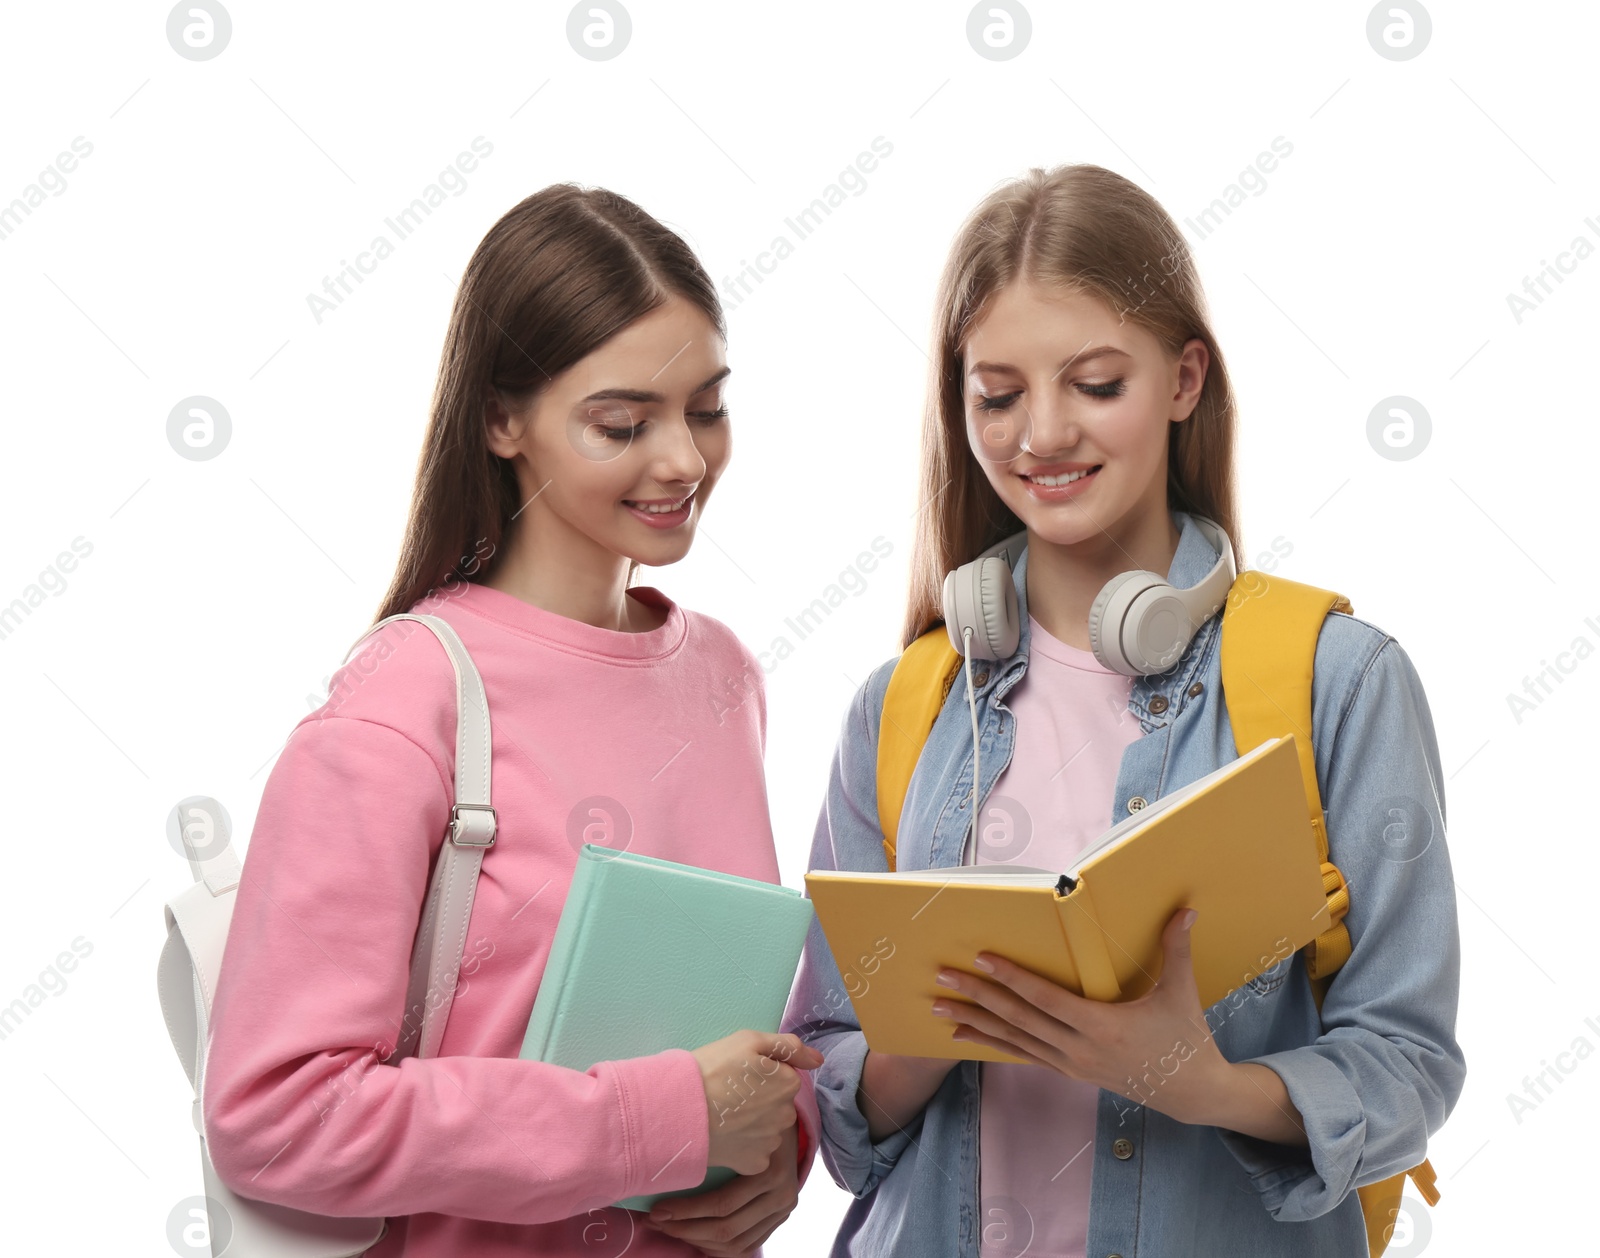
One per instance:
(1236, 845)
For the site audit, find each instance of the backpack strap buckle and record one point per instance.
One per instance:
(1332, 948)
(1423, 1176)
(473, 825)
(1338, 893)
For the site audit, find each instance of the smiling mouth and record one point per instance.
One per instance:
(1065, 478)
(658, 508)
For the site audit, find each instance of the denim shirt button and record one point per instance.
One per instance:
(981, 676)
(1123, 1148)
(1158, 704)
(1195, 689)
(1136, 803)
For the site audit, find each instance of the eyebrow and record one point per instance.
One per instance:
(645, 395)
(1088, 355)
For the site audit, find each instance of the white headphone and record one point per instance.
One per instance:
(1138, 624)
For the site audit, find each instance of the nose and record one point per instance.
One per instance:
(677, 458)
(1051, 428)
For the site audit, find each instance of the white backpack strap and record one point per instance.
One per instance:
(442, 933)
(197, 918)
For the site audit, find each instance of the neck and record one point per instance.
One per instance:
(545, 562)
(1063, 580)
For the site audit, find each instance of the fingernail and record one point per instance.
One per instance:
(1188, 918)
(942, 1011)
(944, 980)
(983, 965)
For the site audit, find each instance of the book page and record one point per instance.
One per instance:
(998, 875)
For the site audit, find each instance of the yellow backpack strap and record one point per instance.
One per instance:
(1269, 645)
(1381, 1203)
(917, 690)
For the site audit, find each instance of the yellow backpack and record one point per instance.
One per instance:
(1269, 641)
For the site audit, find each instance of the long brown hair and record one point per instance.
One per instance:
(1090, 230)
(560, 274)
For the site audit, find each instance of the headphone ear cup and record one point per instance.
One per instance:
(981, 596)
(1139, 624)
(1157, 629)
(1108, 614)
(997, 609)
(953, 618)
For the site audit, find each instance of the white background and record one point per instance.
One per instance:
(219, 594)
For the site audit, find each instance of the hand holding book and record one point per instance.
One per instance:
(751, 1080)
(1236, 845)
(730, 1221)
(1134, 1048)
(1112, 1045)
(652, 954)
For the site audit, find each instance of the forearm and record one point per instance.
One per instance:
(459, 1135)
(894, 1089)
(1250, 1098)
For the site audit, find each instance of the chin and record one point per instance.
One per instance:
(661, 555)
(1062, 525)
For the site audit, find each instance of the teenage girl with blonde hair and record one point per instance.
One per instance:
(1078, 396)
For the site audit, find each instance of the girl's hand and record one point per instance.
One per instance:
(751, 1079)
(732, 1220)
(1160, 1039)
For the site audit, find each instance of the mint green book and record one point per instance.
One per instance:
(650, 954)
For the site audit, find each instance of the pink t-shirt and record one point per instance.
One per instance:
(651, 741)
(1054, 798)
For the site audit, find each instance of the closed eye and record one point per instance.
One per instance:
(628, 432)
(1108, 389)
(998, 403)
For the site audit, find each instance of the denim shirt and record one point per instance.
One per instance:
(1377, 1075)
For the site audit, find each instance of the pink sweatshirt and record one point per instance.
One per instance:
(1035, 1125)
(651, 741)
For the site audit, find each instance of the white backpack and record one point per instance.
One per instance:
(197, 928)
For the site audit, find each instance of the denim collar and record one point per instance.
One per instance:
(1194, 557)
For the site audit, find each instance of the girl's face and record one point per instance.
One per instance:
(1068, 410)
(621, 450)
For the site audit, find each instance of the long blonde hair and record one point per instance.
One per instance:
(1087, 229)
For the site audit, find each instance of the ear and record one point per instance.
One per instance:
(1192, 364)
(503, 429)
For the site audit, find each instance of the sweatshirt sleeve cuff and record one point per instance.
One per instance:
(663, 1102)
(808, 1126)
